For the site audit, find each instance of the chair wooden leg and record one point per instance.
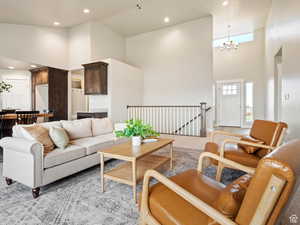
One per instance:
(219, 171)
(8, 181)
(36, 192)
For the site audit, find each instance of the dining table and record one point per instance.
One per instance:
(12, 116)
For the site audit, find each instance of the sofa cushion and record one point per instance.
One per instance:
(101, 126)
(48, 125)
(39, 134)
(61, 156)
(78, 128)
(93, 144)
(19, 132)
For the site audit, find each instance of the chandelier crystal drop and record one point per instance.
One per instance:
(139, 4)
(229, 44)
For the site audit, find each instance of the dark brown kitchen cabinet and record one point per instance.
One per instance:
(95, 78)
(83, 115)
(57, 81)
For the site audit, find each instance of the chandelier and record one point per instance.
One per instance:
(139, 4)
(229, 44)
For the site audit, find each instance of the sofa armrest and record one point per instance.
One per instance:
(23, 161)
(146, 216)
(21, 145)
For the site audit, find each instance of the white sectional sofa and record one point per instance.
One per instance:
(24, 160)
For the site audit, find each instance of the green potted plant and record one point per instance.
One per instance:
(137, 130)
(4, 87)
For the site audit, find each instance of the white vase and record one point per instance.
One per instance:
(136, 140)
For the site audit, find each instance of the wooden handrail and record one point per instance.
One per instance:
(163, 106)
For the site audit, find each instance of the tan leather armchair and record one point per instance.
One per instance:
(191, 198)
(268, 135)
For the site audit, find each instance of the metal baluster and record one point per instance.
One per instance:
(199, 122)
(191, 118)
(195, 121)
(168, 119)
(157, 119)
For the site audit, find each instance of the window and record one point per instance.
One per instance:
(238, 38)
(231, 89)
(249, 102)
(19, 96)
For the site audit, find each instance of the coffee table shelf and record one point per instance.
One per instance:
(123, 173)
(137, 160)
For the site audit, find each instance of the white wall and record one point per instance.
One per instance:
(35, 44)
(246, 63)
(90, 42)
(176, 61)
(105, 43)
(125, 87)
(283, 31)
(79, 45)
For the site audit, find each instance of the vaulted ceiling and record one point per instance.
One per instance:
(123, 17)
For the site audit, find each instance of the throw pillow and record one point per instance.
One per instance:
(248, 148)
(41, 135)
(231, 197)
(59, 136)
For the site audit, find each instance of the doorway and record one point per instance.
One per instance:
(278, 85)
(230, 103)
(78, 98)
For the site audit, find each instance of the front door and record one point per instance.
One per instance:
(229, 102)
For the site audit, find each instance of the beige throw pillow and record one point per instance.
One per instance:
(59, 136)
(41, 135)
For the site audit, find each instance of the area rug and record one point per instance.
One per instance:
(77, 199)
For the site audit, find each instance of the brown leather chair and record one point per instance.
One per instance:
(264, 136)
(257, 198)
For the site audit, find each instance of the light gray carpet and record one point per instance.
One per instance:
(77, 199)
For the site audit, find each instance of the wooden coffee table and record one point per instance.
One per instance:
(138, 159)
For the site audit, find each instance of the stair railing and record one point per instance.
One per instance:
(189, 120)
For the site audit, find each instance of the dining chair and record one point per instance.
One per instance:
(6, 125)
(27, 117)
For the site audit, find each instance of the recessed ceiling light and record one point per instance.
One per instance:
(33, 66)
(166, 19)
(86, 11)
(225, 3)
(11, 67)
(56, 23)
